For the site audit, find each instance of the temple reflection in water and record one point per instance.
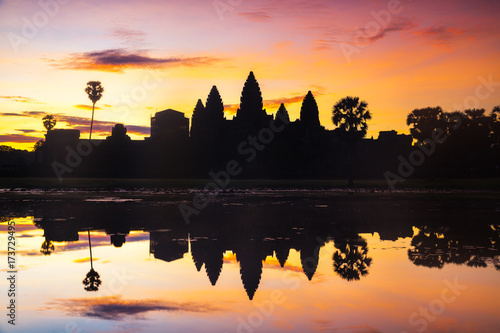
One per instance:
(260, 231)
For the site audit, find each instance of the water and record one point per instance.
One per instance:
(253, 261)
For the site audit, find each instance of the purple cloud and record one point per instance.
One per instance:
(118, 60)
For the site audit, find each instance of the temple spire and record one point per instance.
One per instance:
(309, 112)
(198, 119)
(251, 109)
(283, 114)
(214, 107)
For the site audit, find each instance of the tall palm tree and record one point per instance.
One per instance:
(49, 122)
(92, 280)
(94, 90)
(351, 116)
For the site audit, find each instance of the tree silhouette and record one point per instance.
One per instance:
(47, 247)
(92, 280)
(495, 125)
(351, 116)
(49, 122)
(351, 261)
(38, 145)
(94, 90)
(425, 121)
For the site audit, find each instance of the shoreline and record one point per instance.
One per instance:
(436, 183)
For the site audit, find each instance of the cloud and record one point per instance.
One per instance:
(362, 37)
(19, 138)
(104, 127)
(83, 125)
(402, 25)
(260, 16)
(323, 327)
(83, 260)
(97, 241)
(118, 60)
(275, 103)
(118, 309)
(129, 36)
(138, 130)
(440, 34)
(79, 123)
(86, 107)
(22, 99)
(231, 109)
(31, 114)
(26, 130)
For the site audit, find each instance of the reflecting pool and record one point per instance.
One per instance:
(252, 261)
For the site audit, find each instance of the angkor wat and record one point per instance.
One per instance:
(271, 146)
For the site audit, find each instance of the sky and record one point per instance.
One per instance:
(155, 55)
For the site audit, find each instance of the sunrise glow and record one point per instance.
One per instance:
(396, 55)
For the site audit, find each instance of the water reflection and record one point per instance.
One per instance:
(431, 247)
(92, 280)
(474, 246)
(259, 230)
(351, 261)
(47, 247)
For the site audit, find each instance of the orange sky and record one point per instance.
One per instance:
(396, 55)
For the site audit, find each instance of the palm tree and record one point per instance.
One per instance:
(92, 280)
(351, 116)
(49, 122)
(94, 90)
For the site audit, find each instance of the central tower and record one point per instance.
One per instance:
(251, 113)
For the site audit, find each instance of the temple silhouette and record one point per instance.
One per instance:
(266, 145)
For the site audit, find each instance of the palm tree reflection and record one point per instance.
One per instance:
(92, 280)
(47, 247)
(351, 260)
